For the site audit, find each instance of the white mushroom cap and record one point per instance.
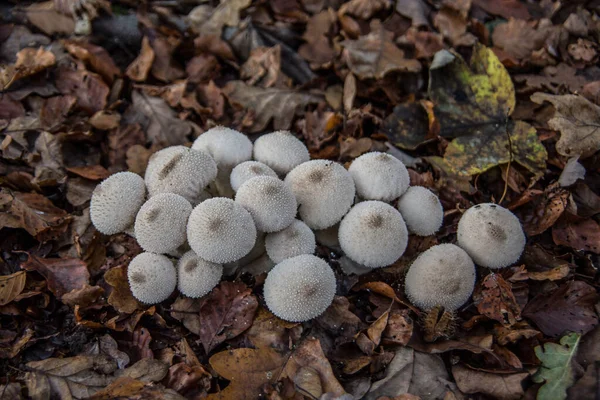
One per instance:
(116, 201)
(152, 277)
(248, 170)
(379, 176)
(221, 231)
(180, 170)
(160, 225)
(197, 277)
(257, 251)
(492, 235)
(324, 190)
(281, 151)
(300, 288)
(421, 210)
(270, 202)
(227, 146)
(443, 275)
(294, 240)
(373, 234)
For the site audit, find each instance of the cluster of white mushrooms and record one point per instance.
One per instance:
(226, 204)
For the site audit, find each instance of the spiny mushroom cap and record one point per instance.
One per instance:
(281, 151)
(195, 276)
(221, 231)
(294, 240)
(443, 275)
(300, 288)
(421, 210)
(152, 277)
(160, 225)
(324, 190)
(379, 176)
(270, 202)
(227, 146)
(373, 234)
(492, 235)
(180, 170)
(116, 201)
(248, 170)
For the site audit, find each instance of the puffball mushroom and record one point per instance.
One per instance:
(281, 151)
(152, 277)
(197, 277)
(379, 176)
(180, 170)
(294, 240)
(116, 201)
(373, 234)
(248, 170)
(270, 202)
(228, 147)
(300, 288)
(324, 190)
(443, 275)
(160, 225)
(220, 230)
(421, 210)
(491, 235)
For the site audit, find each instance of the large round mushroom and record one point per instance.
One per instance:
(152, 277)
(379, 176)
(421, 210)
(195, 276)
(281, 151)
(294, 240)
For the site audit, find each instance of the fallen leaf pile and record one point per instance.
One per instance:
(484, 101)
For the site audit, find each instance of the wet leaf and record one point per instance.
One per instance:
(407, 126)
(62, 274)
(11, 286)
(568, 308)
(494, 298)
(578, 121)
(227, 311)
(556, 370)
(498, 386)
(374, 55)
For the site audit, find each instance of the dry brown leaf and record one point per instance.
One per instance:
(374, 55)
(318, 49)
(375, 331)
(399, 329)
(499, 386)
(92, 172)
(494, 298)
(520, 38)
(140, 67)
(263, 66)
(504, 8)
(164, 67)
(121, 297)
(364, 9)
(581, 235)
(48, 19)
(97, 57)
(89, 88)
(416, 10)
(268, 331)
(62, 274)
(521, 330)
(30, 61)
(192, 381)
(11, 286)
(210, 21)
(83, 297)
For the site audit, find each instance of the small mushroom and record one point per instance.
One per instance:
(379, 176)
(160, 225)
(197, 277)
(116, 201)
(373, 234)
(421, 210)
(227, 147)
(180, 170)
(491, 235)
(324, 190)
(270, 202)
(281, 151)
(294, 240)
(444, 275)
(221, 231)
(300, 288)
(152, 277)
(248, 170)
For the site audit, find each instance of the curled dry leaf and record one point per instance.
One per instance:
(62, 274)
(30, 61)
(121, 297)
(494, 298)
(11, 286)
(97, 57)
(140, 67)
(547, 212)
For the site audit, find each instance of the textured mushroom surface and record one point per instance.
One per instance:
(443, 275)
(373, 234)
(491, 235)
(180, 170)
(300, 288)
(324, 191)
(270, 202)
(379, 176)
(195, 276)
(281, 151)
(160, 225)
(248, 170)
(152, 277)
(116, 201)
(421, 210)
(294, 240)
(221, 231)
(227, 147)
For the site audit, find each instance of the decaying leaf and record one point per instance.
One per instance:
(30, 61)
(120, 297)
(498, 386)
(11, 286)
(140, 67)
(210, 21)
(98, 58)
(556, 370)
(582, 235)
(494, 299)
(62, 274)
(48, 19)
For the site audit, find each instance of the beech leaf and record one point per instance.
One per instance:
(11, 286)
